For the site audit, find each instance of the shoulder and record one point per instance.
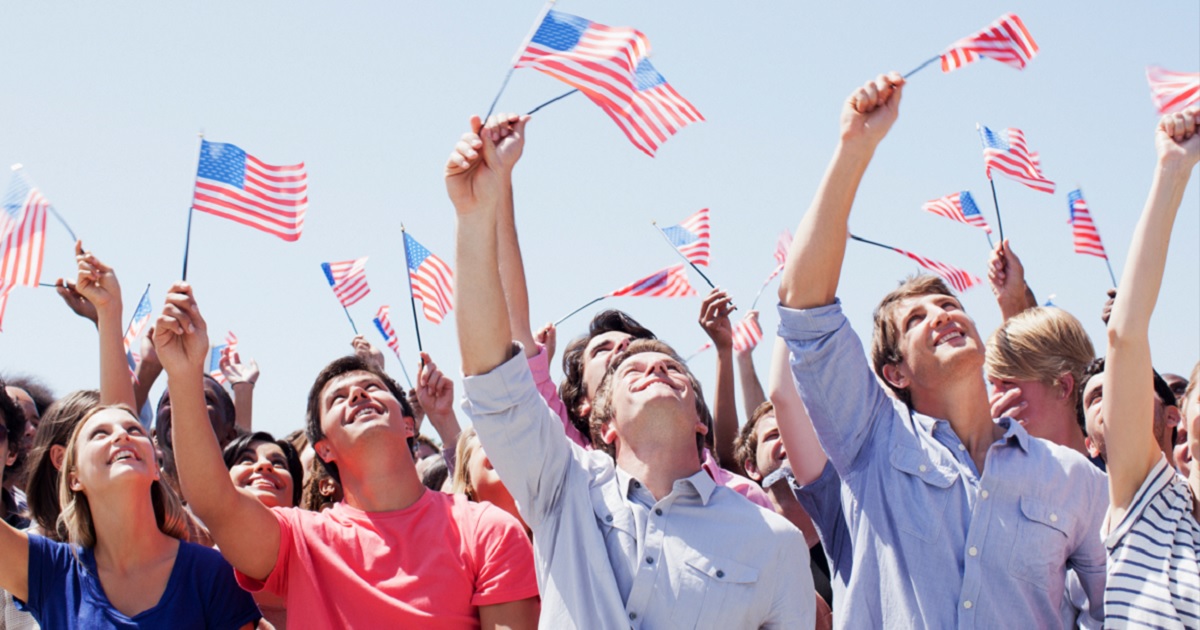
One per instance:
(47, 552)
(477, 519)
(202, 558)
(1072, 463)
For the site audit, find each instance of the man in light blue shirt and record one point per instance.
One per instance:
(957, 520)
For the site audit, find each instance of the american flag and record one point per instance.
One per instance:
(431, 278)
(691, 237)
(960, 207)
(746, 335)
(233, 184)
(959, 279)
(1083, 229)
(216, 352)
(782, 245)
(4, 291)
(141, 317)
(348, 279)
(384, 324)
(22, 232)
(1008, 154)
(1006, 40)
(1173, 91)
(670, 282)
(609, 66)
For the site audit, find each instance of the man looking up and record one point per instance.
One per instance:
(648, 540)
(954, 516)
(392, 554)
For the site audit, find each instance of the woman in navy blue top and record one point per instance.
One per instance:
(126, 565)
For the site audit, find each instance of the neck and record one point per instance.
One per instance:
(1064, 430)
(127, 534)
(659, 466)
(964, 404)
(788, 507)
(380, 479)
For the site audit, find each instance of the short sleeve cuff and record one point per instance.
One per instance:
(803, 324)
(498, 390)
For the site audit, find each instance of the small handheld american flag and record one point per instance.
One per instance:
(1007, 153)
(141, 317)
(22, 232)
(432, 280)
(1173, 91)
(691, 237)
(233, 184)
(959, 206)
(1006, 40)
(670, 282)
(348, 279)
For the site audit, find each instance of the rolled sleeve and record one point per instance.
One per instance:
(539, 367)
(835, 381)
(523, 438)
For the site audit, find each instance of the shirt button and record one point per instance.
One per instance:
(649, 560)
(720, 573)
(636, 484)
(967, 604)
(1053, 518)
(973, 551)
(922, 468)
(658, 511)
(608, 518)
(984, 494)
(962, 447)
(633, 615)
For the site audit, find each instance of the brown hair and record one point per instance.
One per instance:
(312, 499)
(885, 342)
(1040, 344)
(56, 427)
(745, 447)
(76, 517)
(573, 390)
(603, 412)
(1191, 387)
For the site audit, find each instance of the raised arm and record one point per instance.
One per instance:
(242, 377)
(805, 455)
(97, 283)
(820, 242)
(475, 182)
(243, 528)
(435, 390)
(752, 389)
(1006, 274)
(714, 319)
(1128, 392)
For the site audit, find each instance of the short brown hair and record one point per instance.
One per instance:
(602, 411)
(885, 342)
(572, 390)
(745, 447)
(1040, 344)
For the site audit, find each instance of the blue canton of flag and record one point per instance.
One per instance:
(679, 236)
(222, 162)
(560, 31)
(214, 358)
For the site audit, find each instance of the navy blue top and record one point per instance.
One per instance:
(201, 592)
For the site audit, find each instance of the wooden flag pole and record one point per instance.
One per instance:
(568, 315)
(187, 240)
(412, 300)
(516, 57)
(556, 98)
(922, 66)
(685, 258)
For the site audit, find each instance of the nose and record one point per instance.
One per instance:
(622, 345)
(938, 316)
(262, 465)
(356, 392)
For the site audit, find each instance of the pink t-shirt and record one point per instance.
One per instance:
(428, 566)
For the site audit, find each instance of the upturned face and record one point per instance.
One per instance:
(937, 341)
(355, 405)
(653, 395)
(770, 454)
(112, 449)
(261, 471)
(597, 356)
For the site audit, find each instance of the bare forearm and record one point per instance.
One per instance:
(512, 275)
(483, 324)
(147, 373)
(752, 390)
(202, 473)
(243, 404)
(820, 242)
(725, 417)
(115, 384)
(795, 426)
(447, 428)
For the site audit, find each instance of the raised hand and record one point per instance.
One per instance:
(1106, 311)
(1006, 275)
(148, 353)
(1007, 403)
(435, 390)
(714, 318)
(180, 333)
(547, 336)
(367, 352)
(96, 282)
(507, 131)
(237, 372)
(418, 410)
(478, 170)
(75, 300)
(1177, 140)
(753, 316)
(872, 109)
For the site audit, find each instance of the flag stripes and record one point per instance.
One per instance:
(670, 282)
(1006, 40)
(432, 280)
(235, 185)
(1008, 154)
(348, 280)
(1083, 229)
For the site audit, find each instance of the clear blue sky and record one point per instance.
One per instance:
(104, 102)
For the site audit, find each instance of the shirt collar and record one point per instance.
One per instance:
(1012, 430)
(700, 482)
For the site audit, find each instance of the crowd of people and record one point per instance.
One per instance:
(932, 480)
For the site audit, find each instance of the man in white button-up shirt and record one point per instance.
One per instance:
(647, 541)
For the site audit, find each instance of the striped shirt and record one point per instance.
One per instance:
(1153, 575)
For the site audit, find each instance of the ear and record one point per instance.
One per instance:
(326, 488)
(895, 376)
(57, 455)
(584, 409)
(701, 428)
(1066, 386)
(12, 456)
(608, 433)
(73, 483)
(410, 427)
(1173, 417)
(1091, 447)
(751, 469)
(323, 450)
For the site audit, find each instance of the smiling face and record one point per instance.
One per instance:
(1165, 418)
(597, 355)
(650, 397)
(936, 342)
(769, 455)
(355, 406)
(111, 448)
(261, 471)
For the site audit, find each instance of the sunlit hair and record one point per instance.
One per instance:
(885, 341)
(56, 427)
(312, 499)
(1040, 344)
(1185, 404)
(745, 447)
(468, 443)
(76, 517)
(603, 411)
(573, 391)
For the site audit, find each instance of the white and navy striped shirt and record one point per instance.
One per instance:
(1153, 575)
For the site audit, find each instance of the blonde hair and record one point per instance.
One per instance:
(76, 516)
(1040, 344)
(464, 450)
(1184, 405)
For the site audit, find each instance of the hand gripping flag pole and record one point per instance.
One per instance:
(512, 66)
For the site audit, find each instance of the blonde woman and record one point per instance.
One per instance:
(475, 478)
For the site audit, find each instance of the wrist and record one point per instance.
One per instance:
(241, 384)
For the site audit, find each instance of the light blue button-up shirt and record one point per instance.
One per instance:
(937, 544)
(609, 555)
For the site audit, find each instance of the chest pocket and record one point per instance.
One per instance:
(925, 488)
(1039, 552)
(712, 592)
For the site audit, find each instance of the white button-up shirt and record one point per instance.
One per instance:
(608, 555)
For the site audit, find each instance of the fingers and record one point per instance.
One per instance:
(883, 90)
(1180, 125)
(716, 305)
(752, 315)
(466, 152)
(501, 126)
(1005, 403)
(181, 309)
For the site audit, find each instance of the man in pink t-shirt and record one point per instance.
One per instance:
(392, 554)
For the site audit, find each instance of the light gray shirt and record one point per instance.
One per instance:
(608, 555)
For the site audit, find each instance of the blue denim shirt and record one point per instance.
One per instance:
(935, 543)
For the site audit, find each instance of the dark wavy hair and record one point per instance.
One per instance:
(573, 391)
(242, 443)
